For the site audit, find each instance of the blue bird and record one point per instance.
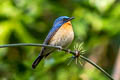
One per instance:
(61, 34)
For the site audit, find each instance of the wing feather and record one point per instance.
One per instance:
(50, 35)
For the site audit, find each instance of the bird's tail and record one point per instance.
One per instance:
(36, 62)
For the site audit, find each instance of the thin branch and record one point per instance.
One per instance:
(62, 49)
(28, 44)
(95, 65)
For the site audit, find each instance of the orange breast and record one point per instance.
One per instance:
(67, 26)
(64, 36)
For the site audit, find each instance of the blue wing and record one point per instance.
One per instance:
(52, 32)
(42, 55)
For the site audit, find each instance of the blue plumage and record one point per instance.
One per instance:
(61, 34)
(57, 24)
(60, 20)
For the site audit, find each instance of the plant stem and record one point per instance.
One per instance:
(98, 67)
(28, 44)
(60, 48)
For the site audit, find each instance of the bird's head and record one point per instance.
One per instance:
(62, 19)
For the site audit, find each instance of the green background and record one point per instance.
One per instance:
(96, 23)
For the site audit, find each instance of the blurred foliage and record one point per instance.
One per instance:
(97, 23)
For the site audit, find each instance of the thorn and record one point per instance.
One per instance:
(70, 61)
(76, 60)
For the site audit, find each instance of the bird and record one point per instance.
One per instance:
(61, 34)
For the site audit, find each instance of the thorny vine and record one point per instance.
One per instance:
(77, 53)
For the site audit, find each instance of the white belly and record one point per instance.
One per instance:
(63, 37)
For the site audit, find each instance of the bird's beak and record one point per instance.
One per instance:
(71, 18)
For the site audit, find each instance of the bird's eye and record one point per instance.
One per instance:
(65, 19)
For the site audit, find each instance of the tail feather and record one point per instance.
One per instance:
(36, 62)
